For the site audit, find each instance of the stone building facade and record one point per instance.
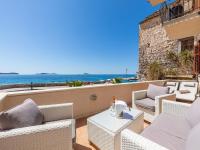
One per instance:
(154, 44)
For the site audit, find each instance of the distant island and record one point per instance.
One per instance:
(44, 73)
(85, 73)
(9, 73)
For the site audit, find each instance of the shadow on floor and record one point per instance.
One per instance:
(81, 122)
(80, 147)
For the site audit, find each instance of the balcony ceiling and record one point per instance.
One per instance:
(155, 2)
(183, 27)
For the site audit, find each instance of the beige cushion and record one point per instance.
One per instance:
(193, 142)
(193, 114)
(173, 125)
(154, 90)
(184, 91)
(171, 84)
(146, 103)
(23, 115)
(169, 131)
(164, 139)
(56, 112)
(189, 84)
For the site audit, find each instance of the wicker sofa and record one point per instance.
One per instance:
(170, 131)
(151, 107)
(55, 134)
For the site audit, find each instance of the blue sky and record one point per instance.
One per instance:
(70, 36)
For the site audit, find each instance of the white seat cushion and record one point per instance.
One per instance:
(187, 96)
(154, 90)
(146, 103)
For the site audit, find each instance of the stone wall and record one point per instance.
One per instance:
(154, 44)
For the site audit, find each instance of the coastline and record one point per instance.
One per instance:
(35, 86)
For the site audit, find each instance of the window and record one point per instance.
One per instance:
(187, 44)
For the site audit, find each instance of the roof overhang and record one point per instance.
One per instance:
(155, 2)
(183, 27)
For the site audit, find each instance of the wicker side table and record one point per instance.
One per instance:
(104, 129)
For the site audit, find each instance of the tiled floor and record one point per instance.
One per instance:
(82, 142)
(81, 136)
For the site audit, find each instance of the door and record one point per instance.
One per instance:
(196, 66)
(196, 4)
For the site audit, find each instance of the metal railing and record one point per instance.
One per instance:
(178, 9)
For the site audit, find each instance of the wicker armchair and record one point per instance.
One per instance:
(172, 85)
(55, 134)
(134, 141)
(150, 114)
(191, 95)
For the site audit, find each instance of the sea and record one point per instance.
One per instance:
(8, 79)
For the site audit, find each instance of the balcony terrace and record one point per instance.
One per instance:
(182, 16)
(84, 105)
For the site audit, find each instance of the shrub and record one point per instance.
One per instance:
(173, 57)
(171, 71)
(186, 58)
(116, 80)
(75, 83)
(182, 61)
(155, 71)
